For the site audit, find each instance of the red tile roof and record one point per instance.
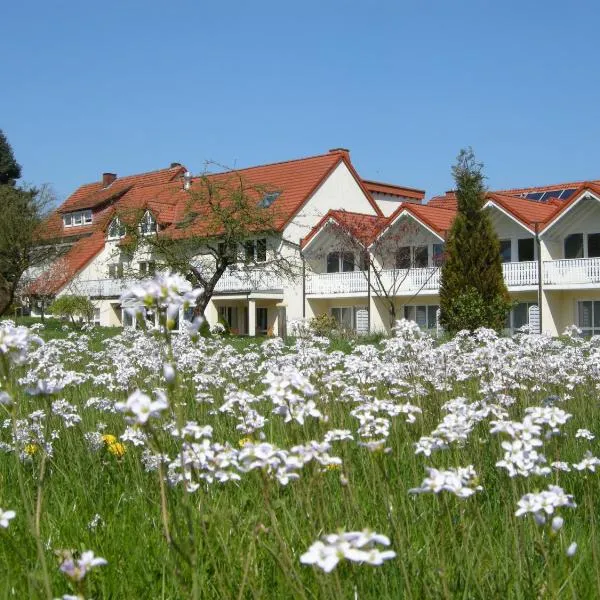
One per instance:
(547, 188)
(96, 197)
(528, 212)
(295, 181)
(362, 227)
(67, 266)
(394, 190)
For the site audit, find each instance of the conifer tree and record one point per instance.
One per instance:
(9, 167)
(472, 291)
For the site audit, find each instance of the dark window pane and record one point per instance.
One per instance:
(593, 245)
(420, 256)
(409, 313)
(261, 250)
(526, 249)
(249, 250)
(534, 195)
(333, 262)
(432, 316)
(438, 254)
(421, 316)
(596, 314)
(520, 315)
(505, 251)
(574, 245)
(403, 258)
(585, 314)
(347, 261)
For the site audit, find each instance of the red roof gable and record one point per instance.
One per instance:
(68, 265)
(394, 190)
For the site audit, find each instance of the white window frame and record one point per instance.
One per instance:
(148, 220)
(121, 230)
(586, 330)
(78, 218)
(428, 308)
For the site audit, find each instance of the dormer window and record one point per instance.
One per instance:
(77, 219)
(116, 229)
(268, 199)
(148, 223)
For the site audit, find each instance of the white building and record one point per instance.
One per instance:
(366, 247)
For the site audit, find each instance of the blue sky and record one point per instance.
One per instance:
(129, 86)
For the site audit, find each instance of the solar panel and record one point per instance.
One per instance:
(567, 193)
(534, 196)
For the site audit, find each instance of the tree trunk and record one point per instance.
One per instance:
(7, 295)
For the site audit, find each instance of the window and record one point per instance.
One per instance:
(148, 224)
(420, 257)
(424, 315)
(268, 199)
(76, 219)
(439, 251)
(261, 250)
(574, 245)
(115, 271)
(229, 314)
(593, 245)
(403, 257)
(227, 249)
(344, 316)
(147, 267)
(526, 249)
(338, 262)
(116, 229)
(588, 317)
(505, 251)
(96, 316)
(255, 250)
(261, 321)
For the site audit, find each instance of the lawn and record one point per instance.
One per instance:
(210, 467)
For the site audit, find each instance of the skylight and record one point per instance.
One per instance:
(268, 199)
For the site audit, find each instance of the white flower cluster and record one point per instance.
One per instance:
(544, 503)
(15, 342)
(355, 546)
(461, 482)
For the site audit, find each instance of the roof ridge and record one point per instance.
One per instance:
(354, 212)
(272, 164)
(394, 185)
(565, 184)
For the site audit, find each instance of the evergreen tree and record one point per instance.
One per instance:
(472, 291)
(9, 167)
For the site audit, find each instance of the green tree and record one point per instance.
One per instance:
(472, 291)
(22, 211)
(9, 167)
(74, 308)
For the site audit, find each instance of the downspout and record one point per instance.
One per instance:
(303, 286)
(368, 295)
(540, 282)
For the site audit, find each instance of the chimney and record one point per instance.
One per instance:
(343, 151)
(187, 180)
(173, 165)
(108, 178)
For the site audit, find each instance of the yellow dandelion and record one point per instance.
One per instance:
(109, 439)
(332, 467)
(245, 441)
(31, 449)
(117, 449)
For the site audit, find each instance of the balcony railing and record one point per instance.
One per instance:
(230, 282)
(250, 281)
(400, 281)
(351, 282)
(572, 271)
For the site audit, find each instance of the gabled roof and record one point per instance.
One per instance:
(67, 266)
(295, 181)
(97, 197)
(563, 207)
(527, 212)
(394, 190)
(363, 228)
(547, 188)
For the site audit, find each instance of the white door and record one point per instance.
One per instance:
(362, 319)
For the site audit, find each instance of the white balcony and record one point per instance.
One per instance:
(101, 288)
(397, 282)
(249, 281)
(572, 273)
(326, 284)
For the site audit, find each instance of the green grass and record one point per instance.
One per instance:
(243, 540)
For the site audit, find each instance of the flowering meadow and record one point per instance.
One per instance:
(162, 465)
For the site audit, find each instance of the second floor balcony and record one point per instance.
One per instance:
(557, 274)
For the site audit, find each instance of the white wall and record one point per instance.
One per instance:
(388, 203)
(339, 191)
